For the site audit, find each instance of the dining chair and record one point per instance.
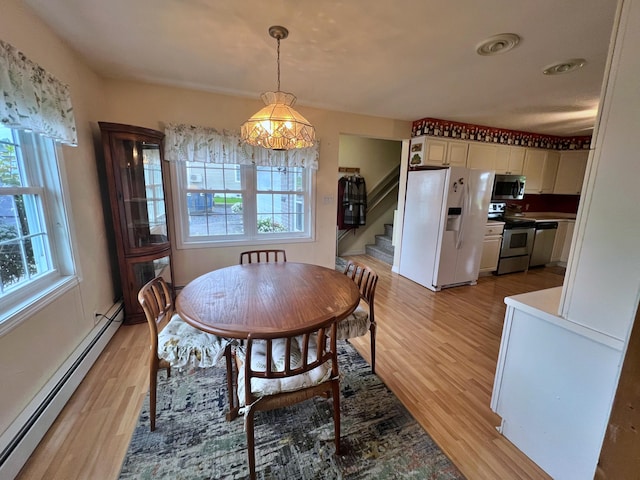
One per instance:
(257, 256)
(363, 318)
(276, 371)
(178, 344)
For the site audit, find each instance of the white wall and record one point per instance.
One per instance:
(154, 106)
(32, 352)
(603, 275)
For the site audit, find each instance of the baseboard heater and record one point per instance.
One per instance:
(22, 437)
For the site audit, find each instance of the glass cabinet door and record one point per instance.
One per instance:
(144, 219)
(146, 270)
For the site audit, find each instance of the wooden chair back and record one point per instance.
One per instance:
(156, 300)
(258, 256)
(366, 280)
(323, 336)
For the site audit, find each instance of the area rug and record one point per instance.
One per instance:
(192, 440)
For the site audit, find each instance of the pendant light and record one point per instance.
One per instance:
(278, 126)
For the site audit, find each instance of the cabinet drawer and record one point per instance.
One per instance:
(492, 229)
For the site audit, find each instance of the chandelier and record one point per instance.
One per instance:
(278, 126)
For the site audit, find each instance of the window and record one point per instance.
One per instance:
(230, 203)
(34, 255)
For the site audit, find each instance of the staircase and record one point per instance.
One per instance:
(382, 250)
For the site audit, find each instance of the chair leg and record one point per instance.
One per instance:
(372, 334)
(335, 387)
(251, 453)
(153, 383)
(232, 393)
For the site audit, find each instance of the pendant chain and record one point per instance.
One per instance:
(278, 64)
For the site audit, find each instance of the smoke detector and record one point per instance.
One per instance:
(497, 44)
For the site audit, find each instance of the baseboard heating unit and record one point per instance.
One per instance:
(19, 441)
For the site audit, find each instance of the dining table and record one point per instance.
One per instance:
(265, 298)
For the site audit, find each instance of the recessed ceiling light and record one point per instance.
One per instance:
(500, 43)
(564, 67)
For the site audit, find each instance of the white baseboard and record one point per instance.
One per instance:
(19, 441)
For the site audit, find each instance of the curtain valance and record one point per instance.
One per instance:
(189, 143)
(33, 99)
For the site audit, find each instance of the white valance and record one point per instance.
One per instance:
(33, 99)
(189, 143)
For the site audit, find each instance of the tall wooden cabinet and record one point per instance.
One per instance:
(133, 164)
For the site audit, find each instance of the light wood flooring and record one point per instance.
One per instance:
(436, 351)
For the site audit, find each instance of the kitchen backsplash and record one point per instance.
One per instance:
(480, 133)
(548, 203)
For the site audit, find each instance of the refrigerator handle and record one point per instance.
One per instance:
(465, 208)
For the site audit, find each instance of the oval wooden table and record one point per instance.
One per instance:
(233, 302)
(266, 297)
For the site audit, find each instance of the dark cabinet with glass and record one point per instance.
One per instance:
(133, 164)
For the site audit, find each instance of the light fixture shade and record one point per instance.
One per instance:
(278, 126)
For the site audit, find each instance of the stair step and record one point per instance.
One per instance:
(388, 229)
(384, 242)
(382, 254)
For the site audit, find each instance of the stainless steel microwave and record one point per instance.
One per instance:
(508, 187)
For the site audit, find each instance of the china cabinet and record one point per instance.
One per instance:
(133, 164)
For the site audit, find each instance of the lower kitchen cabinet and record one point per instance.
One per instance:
(562, 243)
(491, 247)
(566, 248)
(558, 243)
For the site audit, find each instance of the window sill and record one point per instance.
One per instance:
(237, 243)
(19, 313)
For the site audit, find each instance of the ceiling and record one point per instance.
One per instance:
(406, 59)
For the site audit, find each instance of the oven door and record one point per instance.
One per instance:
(517, 241)
(508, 187)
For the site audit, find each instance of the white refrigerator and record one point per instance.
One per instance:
(445, 215)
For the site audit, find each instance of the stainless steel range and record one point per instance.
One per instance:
(517, 239)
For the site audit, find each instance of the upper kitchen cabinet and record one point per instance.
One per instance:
(445, 153)
(510, 160)
(571, 170)
(540, 168)
(133, 164)
(482, 156)
(501, 158)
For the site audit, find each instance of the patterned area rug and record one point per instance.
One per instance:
(380, 439)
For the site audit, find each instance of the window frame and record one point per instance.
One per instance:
(42, 160)
(250, 236)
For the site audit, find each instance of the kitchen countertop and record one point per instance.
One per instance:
(544, 305)
(546, 216)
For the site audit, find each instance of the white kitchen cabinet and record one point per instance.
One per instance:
(502, 159)
(558, 243)
(509, 160)
(445, 153)
(482, 156)
(554, 385)
(571, 170)
(566, 248)
(491, 247)
(540, 168)
(490, 254)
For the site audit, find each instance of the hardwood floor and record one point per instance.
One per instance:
(436, 351)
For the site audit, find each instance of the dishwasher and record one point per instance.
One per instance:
(543, 243)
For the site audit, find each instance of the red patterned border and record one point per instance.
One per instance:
(479, 133)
